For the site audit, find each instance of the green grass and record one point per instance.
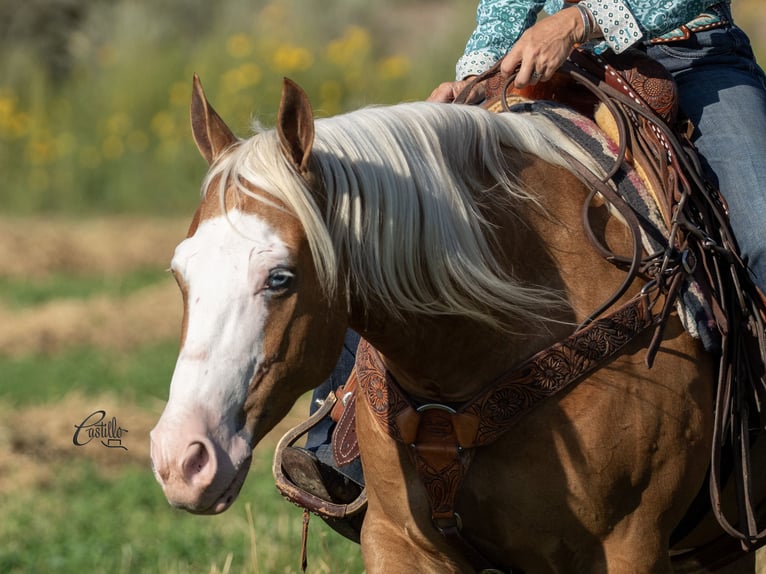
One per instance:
(141, 376)
(85, 522)
(17, 293)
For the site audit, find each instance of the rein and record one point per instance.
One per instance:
(700, 227)
(699, 245)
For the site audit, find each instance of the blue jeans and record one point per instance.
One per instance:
(723, 91)
(319, 438)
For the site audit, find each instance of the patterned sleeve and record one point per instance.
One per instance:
(625, 22)
(499, 23)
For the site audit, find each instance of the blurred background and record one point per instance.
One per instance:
(99, 178)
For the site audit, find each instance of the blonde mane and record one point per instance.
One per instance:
(402, 217)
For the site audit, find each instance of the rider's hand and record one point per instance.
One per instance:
(448, 91)
(543, 48)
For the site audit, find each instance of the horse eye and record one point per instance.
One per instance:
(279, 279)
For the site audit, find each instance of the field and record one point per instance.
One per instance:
(99, 181)
(89, 321)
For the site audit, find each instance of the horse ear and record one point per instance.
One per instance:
(295, 125)
(211, 134)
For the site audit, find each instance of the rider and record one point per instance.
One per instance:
(720, 86)
(721, 89)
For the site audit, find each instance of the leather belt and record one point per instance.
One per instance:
(716, 16)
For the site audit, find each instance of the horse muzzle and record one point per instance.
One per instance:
(197, 472)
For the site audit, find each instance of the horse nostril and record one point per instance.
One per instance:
(195, 461)
(241, 419)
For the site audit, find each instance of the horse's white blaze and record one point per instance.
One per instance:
(225, 266)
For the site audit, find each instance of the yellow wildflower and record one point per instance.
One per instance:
(180, 94)
(330, 93)
(118, 123)
(40, 151)
(112, 147)
(355, 44)
(239, 46)
(289, 58)
(7, 107)
(163, 125)
(19, 124)
(393, 67)
(244, 76)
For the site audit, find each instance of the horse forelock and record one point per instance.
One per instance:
(400, 214)
(256, 169)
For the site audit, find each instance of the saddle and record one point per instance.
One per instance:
(588, 83)
(634, 102)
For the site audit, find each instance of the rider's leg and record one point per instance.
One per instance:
(723, 91)
(320, 437)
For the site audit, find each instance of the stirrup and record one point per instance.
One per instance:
(325, 509)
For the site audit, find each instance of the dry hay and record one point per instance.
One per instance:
(33, 247)
(35, 440)
(150, 315)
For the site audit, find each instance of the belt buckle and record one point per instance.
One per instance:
(713, 17)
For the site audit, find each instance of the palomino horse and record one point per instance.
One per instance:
(451, 239)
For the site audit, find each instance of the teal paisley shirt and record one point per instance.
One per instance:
(623, 23)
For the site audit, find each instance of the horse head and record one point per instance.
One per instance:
(253, 309)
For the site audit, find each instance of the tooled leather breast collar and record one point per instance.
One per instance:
(442, 438)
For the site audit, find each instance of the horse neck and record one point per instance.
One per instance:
(451, 359)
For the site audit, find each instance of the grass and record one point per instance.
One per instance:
(141, 376)
(20, 292)
(85, 522)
